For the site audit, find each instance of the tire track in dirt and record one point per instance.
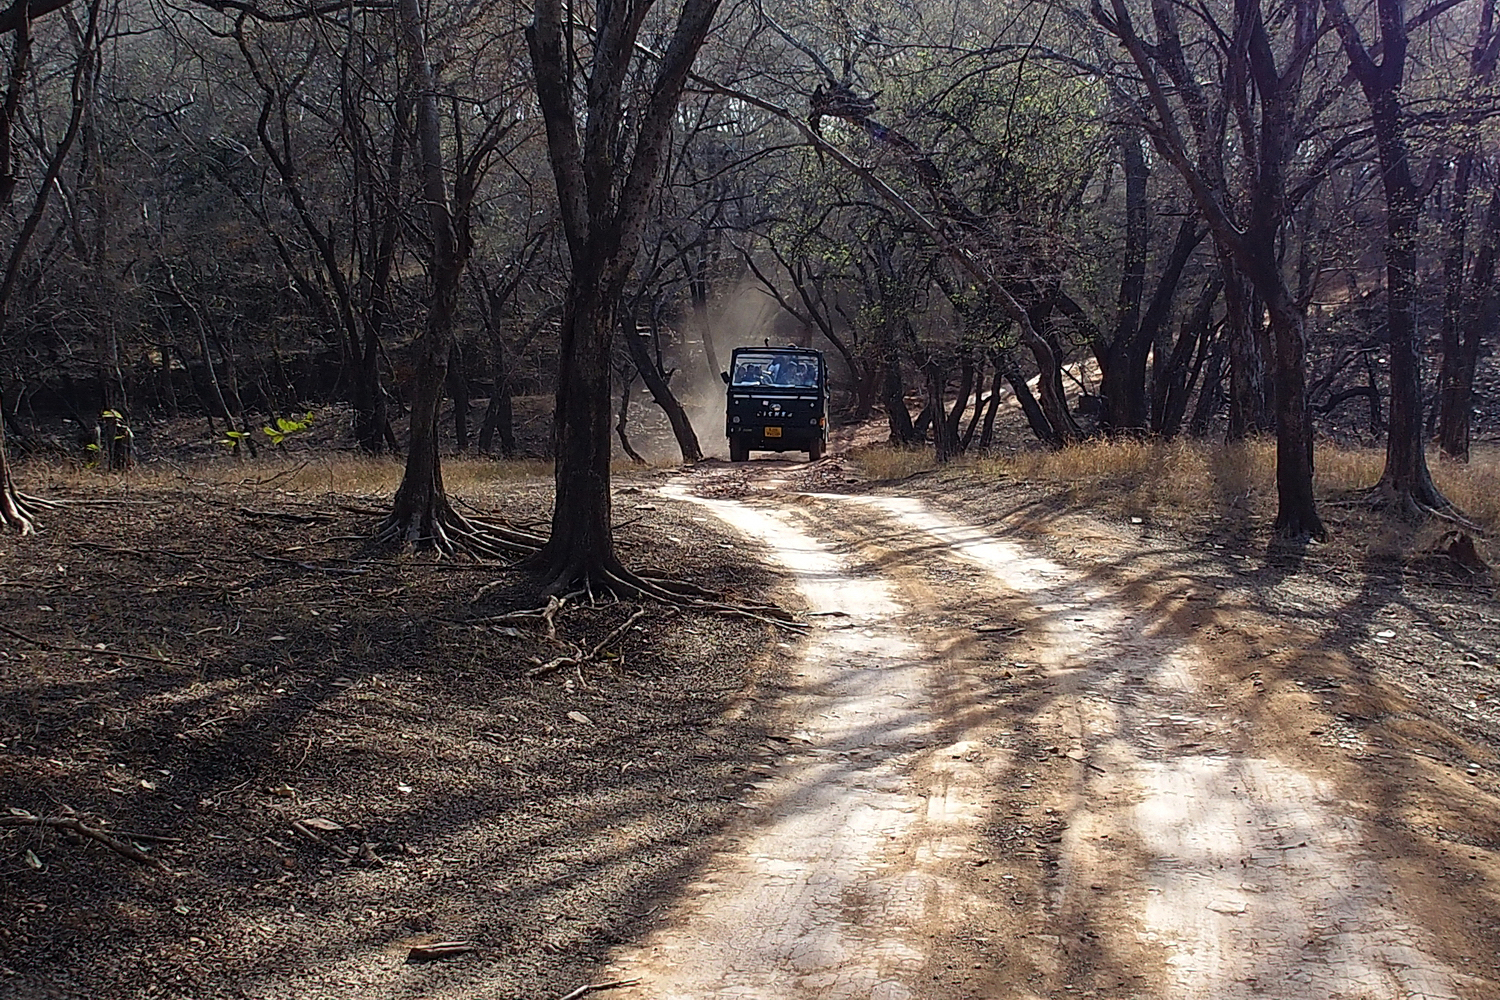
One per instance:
(1236, 874)
(1190, 866)
(839, 866)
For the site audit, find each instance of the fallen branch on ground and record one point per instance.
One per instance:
(547, 614)
(439, 950)
(78, 826)
(53, 647)
(614, 984)
(579, 658)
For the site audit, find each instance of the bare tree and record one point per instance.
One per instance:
(422, 515)
(1467, 298)
(15, 512)
(1381, 72)
(604, 200)
(1265, 101)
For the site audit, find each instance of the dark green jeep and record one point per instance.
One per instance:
(777, 401)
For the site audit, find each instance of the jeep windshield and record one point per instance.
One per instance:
(775, 368)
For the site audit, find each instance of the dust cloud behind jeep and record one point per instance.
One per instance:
(777, 401)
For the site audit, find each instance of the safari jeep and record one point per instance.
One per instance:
(777, 401)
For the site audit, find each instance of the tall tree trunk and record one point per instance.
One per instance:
(1035, 416)
(1249, 402)
(1296, 509)
(893, 395)
(980, 403)
(1177, 377)
(1123, 393)
(622, 419)
(1210, 394)
(954, 418)
(1470, 317)
(499, 415)
(697, 270)
(581, 546)
(992, 408)
(1406, 476)
(1465, 316)
(604, 204)
(943, 442)
(421, 514)
(458, 391)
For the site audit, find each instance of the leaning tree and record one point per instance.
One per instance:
(606, 143)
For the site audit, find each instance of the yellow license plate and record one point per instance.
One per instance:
(773, 432)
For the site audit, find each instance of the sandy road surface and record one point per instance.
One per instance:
(1005, 780)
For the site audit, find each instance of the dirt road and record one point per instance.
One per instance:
(1008, 777)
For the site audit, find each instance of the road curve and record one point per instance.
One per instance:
(1170, 858)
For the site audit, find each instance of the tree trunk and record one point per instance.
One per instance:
(893, 395)
(622, 419)
(603, 204)
(1210, 393)
(581, 546)
(499, 415)
(371, 422)
(698, 292)
(1123, 376)
(1040, 425)
(661, 392)
(1406, 477)
(167, 385)
(954, 419)
(1466, 317)
(1177, 377)
(943, 442)
(1406, 474)
(987, 434)
(1472, 316)
(980, 401)
(1249, 410)
(421, 515)
(1296, 509)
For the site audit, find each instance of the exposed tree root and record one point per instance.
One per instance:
(580, 656)
(451, 534)
(1417, 506)
(614, 579)
(16, 510)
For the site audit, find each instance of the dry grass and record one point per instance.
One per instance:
(884, 463)
(344, 474)
(1186, 480)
